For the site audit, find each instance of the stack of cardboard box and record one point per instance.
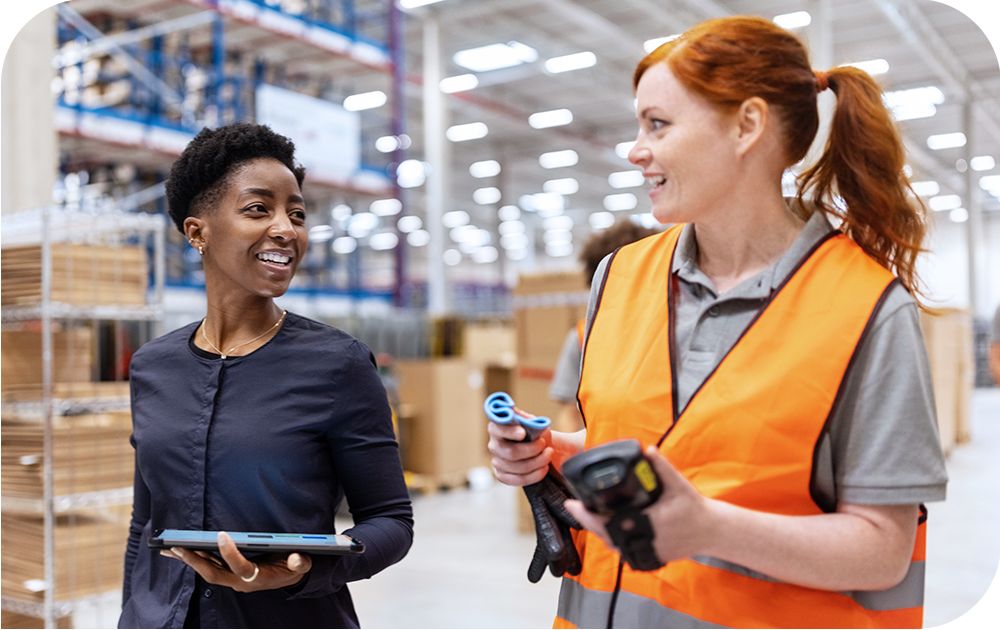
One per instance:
(948, 336)
(81, 275)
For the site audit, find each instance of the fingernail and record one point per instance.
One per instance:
(177, 551)
(166, 553)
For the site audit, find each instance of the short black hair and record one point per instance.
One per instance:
(197, 177)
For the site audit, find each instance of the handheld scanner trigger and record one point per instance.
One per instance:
(499, 408)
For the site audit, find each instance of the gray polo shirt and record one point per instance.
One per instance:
(881, 446)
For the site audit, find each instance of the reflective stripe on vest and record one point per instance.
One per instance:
(781, 379)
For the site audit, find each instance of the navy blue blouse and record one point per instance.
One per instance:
(270, 441)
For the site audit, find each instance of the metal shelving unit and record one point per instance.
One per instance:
(54, 231)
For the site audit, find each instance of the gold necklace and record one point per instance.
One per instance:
(228, 352)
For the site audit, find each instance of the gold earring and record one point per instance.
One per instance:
(201, 250)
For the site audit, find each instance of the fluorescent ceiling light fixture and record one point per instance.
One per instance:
(455, 218)
(652, 44)
(341, 212)
(459, 83)
(418, 238)
(517, 254)
(463, 233)
(913, 111)
(559, 250)
(567, 63)
(485, 255)
(620, 201)
(601, 220)
(982, 163)
(451, 257)
(543, 201)
(927, 188)
(409, 223)
(944, 202)
(468, 131)
(320, 233)
(383, 241)
(797, 19)
(509, 213)
(514, 241)
(495, 56)
(990, 183)
(366, 221)
(550, 118)
(411, 174)
(386, 207)
(413, 4)
(645, 219)
(562, 186)
(388, 144)
(486, 196)
(626, 179)
(562, 222)
(871, 66)
(365, 100)
(908, 171)
(959, 215)
(510, 227)
(486, 168)
(557, 237)
(558, 159)
(941, 141)
(927, 94)
(622, 149)
(345, 245)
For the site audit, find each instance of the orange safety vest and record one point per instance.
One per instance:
(781, 379)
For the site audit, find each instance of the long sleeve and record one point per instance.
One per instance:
(140, 516)
(366, 458)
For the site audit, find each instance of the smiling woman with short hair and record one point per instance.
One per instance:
(254, 418)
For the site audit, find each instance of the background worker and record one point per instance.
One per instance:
(567, 374)
(773, 363)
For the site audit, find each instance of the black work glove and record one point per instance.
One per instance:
(553, 547)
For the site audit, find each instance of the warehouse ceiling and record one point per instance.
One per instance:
(925, 44)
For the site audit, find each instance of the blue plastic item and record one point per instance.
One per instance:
(500, 408)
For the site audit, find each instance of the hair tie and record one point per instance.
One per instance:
(822, 80)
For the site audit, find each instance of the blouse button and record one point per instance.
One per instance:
(208, 593)
(714, 311)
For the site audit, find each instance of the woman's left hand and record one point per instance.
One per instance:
(238, 573)
(680, 518)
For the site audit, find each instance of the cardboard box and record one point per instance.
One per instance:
(444, 434)
(490, 344)
(948, 337)
(546, 308)
(81, 275)
(21, 357)
(15, 620)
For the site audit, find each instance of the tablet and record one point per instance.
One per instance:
(261, 542)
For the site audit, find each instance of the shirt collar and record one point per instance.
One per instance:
(685, 263)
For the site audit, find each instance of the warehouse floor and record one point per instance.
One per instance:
(467, 566)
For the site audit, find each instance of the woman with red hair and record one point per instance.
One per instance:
(765, 350)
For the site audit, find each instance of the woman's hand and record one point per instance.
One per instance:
(681, 517)
(238, 573)
(518, 463)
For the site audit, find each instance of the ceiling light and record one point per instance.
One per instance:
(551, 118)
(558, 250)
(562, 222)
(364, 222)
(622, 149)
(626, 179)
(652, 44)
(383, 241)
(485, 255)
(409, 223)
(926, 188)
(542, 201)
(411, 173)
(558, 159)
(418, 238)
(486, 168)
(913, 111)
(451, 257)
(495, 56)
(320, 233)
(365, 100)
(345, 245)
(459, 83)
(463, 233)
(455, 218)
(797, 19)
(514, 241)
(385, 207)
(982, 163)
(562, 186)
(871, 66)
(944, 202)
(946, 141)
(469, 131)
(566, 63)
(510, 227)
(341, 212)
(509, 213)
(556, 237)
(959, 215)
(645, 219)
(486, 196)
(620, 201)
(990, 183)
(386, 144)
(601, 220)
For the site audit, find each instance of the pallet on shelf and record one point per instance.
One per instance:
(21, 359)
(81, 274)
(95, 391)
